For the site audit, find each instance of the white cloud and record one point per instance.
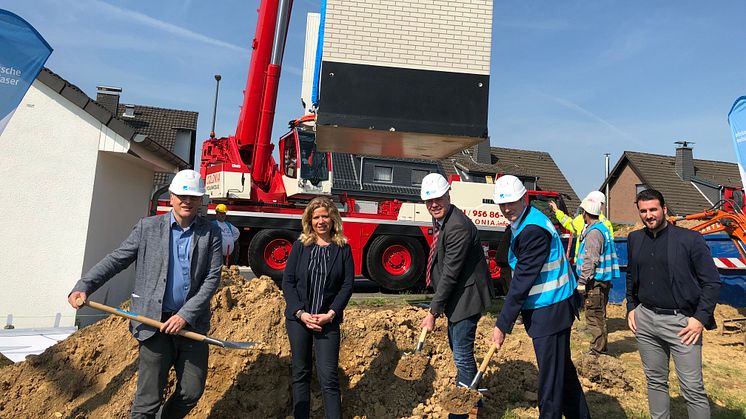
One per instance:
(585, 112)
(133, 16)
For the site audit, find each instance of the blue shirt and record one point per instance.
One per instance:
(179, 266)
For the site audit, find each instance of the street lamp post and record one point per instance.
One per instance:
(606, 180)
(215, 107)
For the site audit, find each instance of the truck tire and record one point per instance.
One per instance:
(268, 252)
(395, 262)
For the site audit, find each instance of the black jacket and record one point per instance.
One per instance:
(338, 286)
(460, 277)
(695, 280)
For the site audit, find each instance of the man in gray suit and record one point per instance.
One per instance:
(457, 270)
(179, 258)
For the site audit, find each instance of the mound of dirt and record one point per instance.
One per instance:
(411, 367)
(93, 373)
(231, 276)
(624, 230)
(459, 400)
(603, 371)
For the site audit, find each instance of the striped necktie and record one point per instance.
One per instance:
(433, 250)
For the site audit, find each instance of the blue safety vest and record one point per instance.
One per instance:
(608, 264)
(556, 282)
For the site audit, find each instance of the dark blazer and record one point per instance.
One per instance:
(694, 278)
(338, 286)
(149, 244)
(460, 277)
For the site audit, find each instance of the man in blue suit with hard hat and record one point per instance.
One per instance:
(543, 291)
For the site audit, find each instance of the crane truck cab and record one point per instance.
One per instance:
(306, 172)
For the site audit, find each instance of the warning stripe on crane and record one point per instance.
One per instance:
(730, 263)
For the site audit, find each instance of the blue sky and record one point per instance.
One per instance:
(576, 79)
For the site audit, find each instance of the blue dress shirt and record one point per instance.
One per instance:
(179, 266)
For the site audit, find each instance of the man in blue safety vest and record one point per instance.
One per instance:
(596, 266)
(543, 291)
(576, 225)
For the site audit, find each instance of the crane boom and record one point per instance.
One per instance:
(248, 120)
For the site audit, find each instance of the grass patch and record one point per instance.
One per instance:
(373, 302)
(4, 361)
(509, 414)
(494, 308)
(734, 407)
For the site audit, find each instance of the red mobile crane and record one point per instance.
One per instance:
(389, 239)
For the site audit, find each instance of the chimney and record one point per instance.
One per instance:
(483, 153)
(108, 97)
(684, 160)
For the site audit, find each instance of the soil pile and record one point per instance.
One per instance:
(411, 366)
(93, 373)
(459, 400)
(624, 230)
(603, 371)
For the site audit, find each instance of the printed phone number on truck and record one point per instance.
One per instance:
(481, 213)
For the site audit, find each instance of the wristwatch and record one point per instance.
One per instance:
(436, 315)
(299, 313)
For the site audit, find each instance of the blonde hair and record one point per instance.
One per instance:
(308, 236)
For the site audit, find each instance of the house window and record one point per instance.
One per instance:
(383, 174)
(640, 187)
(417, 176)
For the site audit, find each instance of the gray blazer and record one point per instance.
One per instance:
(461, 278)
(149, 244)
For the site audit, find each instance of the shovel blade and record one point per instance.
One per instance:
(229, 345)
(411, 367)
(238, 345)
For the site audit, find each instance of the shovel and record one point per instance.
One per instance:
(411, 366)
(154, 323)
(482, 369)
(462, 399)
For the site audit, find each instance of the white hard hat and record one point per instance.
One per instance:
(591, 206)
(596, 196)
(433, 186)
(508, 189)
(187, 182)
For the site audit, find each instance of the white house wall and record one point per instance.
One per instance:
(51, 214)
(120, 198)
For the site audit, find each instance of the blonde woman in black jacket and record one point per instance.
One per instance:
(317, 284)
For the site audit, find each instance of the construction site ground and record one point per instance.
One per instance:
(92, 374)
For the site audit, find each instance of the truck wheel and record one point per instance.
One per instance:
(395, 262)
(268, 252)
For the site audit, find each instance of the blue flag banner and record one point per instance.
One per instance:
(737, 122)
(23, 53)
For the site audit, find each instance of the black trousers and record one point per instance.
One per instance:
(560, 392)
(157, 355)
(325, 344)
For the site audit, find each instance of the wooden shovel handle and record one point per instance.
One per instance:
(486, 360)
(142, 319)
(422, 336)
